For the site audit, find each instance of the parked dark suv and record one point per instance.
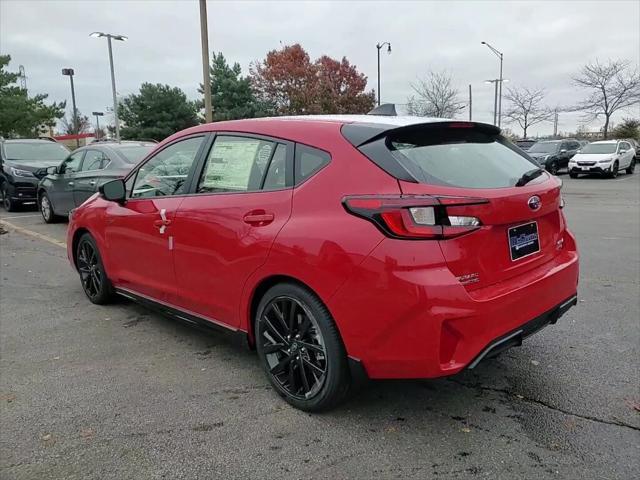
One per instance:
(554, 154)
(22, 162)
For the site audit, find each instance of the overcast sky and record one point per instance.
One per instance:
(544, 43)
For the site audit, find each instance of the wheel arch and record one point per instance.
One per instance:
(258, 291)
(74, 243)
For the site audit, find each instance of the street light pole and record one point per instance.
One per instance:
(380, 46)
(98, 115)
(498, 54)
(69, 72)
(206, 83)
(122, 38)
(495, 99)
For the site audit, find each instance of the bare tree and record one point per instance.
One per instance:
(435, 97)
(611, 86)
(526, 107)
(70, 127)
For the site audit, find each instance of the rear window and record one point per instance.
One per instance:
(136, 153)
(459, 157)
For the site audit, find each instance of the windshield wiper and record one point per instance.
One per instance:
(528, 176)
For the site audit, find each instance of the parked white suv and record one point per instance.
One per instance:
(607, 157)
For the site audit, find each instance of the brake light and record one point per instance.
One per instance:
(418, 217)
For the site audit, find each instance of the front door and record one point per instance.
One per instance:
(140, 233)
(86, 180)
(225, 230)
(63, 183)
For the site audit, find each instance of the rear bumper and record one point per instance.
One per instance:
(515, 338)
(405, 320)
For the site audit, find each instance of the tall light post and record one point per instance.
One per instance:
(379, 46)
(69, 72)
(97, 115)
(500, 80)
(206, 78)
(122, 38)
(495, 99)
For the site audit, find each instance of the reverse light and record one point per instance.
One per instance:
(17, 172)
(418, 217)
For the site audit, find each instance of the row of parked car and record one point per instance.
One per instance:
(46, 172)
(607, 157)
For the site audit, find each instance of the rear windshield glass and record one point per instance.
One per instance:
(459, 157)
(135, 153)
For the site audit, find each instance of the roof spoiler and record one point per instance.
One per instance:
(384, 110)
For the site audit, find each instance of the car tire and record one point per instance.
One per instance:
(573, 175)
(93, 277)
(300, 348)
(614, 170)
(46, 208)
(8, 203)
(632, 166)
(553, 168)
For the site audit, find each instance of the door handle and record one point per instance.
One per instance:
(163, 223)
(258, 218)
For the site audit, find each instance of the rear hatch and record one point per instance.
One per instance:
(492, 230)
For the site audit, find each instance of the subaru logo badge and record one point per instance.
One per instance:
(534, 202)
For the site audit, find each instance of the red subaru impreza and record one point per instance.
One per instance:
(339, 247)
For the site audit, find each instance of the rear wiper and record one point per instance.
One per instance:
(528, 176)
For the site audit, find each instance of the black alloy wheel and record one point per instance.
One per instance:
(300, 348)
(94, 280)
(553, 168)
(614, 170)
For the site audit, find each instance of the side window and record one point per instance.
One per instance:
(94, 160)
(564, 146)
(238, 164)
(72, 163)
(625, 146)
(166, 173)
(308, 161)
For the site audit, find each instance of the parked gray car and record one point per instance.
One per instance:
(78, 177)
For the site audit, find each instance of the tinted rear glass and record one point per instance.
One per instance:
(460, 157)
(136, 153)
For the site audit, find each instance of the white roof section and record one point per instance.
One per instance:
(398, 121)
(605, 141)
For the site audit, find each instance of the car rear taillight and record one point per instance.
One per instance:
(417, 217)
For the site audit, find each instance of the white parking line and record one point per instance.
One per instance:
(20, 216)
(31, 233)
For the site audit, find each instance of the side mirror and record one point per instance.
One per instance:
(114, 190)
(563, 150)
(623, 151)
(52, 170)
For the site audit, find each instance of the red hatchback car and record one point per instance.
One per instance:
(346, 246)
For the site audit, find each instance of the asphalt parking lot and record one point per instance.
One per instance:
(118, 392)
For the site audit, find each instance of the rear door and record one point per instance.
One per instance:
(521, 227)
(224, 231)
